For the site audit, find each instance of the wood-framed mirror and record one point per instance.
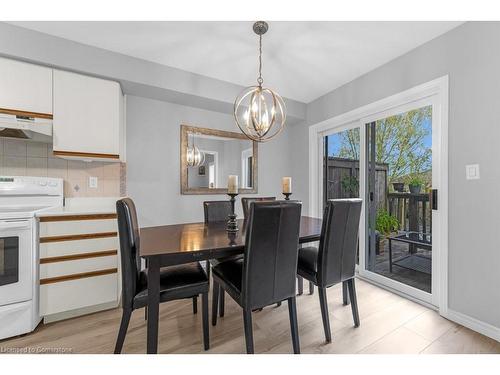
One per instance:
(221, 153)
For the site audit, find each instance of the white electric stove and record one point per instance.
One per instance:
(20, 199)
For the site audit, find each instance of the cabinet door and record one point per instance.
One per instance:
(86, 116)
(25, 87)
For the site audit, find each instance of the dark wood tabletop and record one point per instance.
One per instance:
(207, 240)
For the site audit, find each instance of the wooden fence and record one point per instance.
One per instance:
(343, 180)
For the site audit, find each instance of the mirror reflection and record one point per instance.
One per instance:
(211, 159)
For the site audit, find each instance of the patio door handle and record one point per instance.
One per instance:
(434, 199)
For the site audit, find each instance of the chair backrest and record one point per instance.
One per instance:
(339, 240)
(216, 211)
(271, 250)
(245, 203)
(128, 230)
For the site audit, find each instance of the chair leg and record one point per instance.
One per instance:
(324, 313)
(292, 311)
(215, 302)
(123, 330)
(195, 305)
(300, 285)
(311, 287)
(204, 309)
(145, 313)
(222, 301)
(354, 302)
(247, 322)
(345, 293)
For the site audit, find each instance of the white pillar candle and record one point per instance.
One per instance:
(232, 184)
(286, 183)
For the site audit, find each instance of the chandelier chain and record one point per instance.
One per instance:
(259, 79)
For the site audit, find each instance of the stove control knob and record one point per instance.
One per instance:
(43, 183)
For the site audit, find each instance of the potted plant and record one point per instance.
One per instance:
(398, 186)
(385, 224)
(415, 184)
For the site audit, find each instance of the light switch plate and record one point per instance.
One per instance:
(93, 182)
(472, 172)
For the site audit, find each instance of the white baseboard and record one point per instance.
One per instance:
(474, 324)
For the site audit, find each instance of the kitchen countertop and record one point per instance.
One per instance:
(67, 211)
(83, 206)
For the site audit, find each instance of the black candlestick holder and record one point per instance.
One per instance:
(287, 196)
(232, 224)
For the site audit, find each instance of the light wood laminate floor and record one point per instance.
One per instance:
(389, 324)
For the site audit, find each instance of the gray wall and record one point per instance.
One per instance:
(153, 167)
(470, 55)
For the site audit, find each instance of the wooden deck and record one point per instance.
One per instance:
(416, 279)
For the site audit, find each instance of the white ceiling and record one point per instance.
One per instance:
(301, 60)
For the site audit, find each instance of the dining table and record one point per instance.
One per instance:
(168, 245)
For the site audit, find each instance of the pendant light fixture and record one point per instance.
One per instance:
(194, 157)
(259, 111)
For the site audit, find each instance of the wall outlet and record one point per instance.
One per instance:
(472, 172)
(93, 182)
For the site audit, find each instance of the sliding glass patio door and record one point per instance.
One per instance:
(393, 154)
(401, 200)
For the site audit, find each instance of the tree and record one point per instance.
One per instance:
(399, 142)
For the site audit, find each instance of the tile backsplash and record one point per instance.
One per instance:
(26, 158)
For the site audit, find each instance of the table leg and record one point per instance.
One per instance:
(153, 304)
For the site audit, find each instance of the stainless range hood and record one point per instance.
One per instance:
(26, 127)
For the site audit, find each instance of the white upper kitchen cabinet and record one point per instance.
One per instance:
(88, 118)
(25, 88)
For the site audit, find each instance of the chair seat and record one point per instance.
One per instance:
(229, 273)
(216, 261)
(307, 265)
(182, 281)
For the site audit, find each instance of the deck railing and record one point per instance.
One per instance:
(413, 211)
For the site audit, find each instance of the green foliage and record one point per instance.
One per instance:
(350, 184)
(386, 223)
(399, 142)
(416, 180)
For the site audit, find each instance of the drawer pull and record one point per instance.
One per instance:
(75, 237)
(64, 258)
(76, 276)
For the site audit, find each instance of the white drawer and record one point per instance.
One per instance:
(63, 248)
(71, 267)
(67, 228)
(79, 293)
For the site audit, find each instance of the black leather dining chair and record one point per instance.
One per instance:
(176, 282)
(245, 203)
(334, 261)
(266, 273)
(217, 212)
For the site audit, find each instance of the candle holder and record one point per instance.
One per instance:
(231, 236)
(232, 225)
(287, 196)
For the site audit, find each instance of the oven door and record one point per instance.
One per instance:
(16, 259)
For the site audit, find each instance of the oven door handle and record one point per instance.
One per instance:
(21, 224)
